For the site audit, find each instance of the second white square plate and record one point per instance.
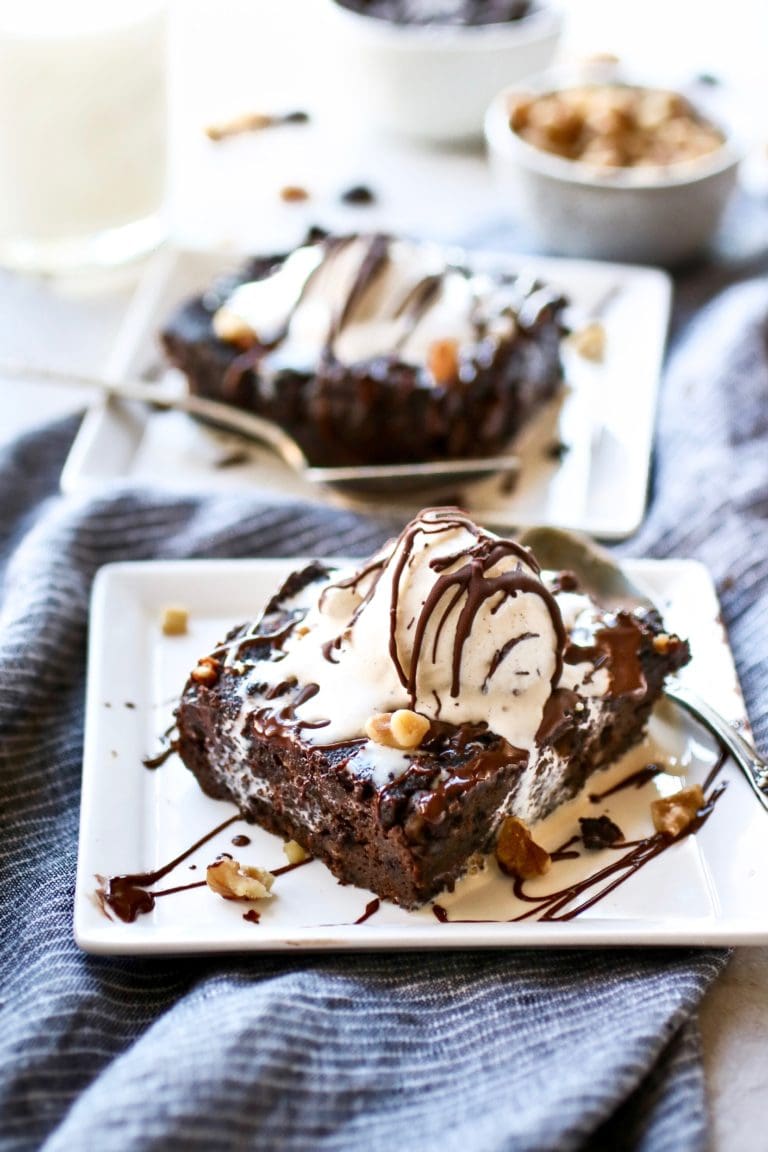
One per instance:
(604, 420)
(707, 889)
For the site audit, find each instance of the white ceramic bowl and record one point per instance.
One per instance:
(638, 215)
(430, 81)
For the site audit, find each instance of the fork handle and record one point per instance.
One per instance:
(751, 764)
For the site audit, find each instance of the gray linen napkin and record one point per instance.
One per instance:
(529, 1050)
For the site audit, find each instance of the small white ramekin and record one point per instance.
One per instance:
(429, 81)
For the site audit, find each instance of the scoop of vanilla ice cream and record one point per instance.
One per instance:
(450, 620)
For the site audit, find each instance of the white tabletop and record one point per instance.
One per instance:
(238, 56)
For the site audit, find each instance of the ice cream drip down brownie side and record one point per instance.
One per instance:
(389, 717)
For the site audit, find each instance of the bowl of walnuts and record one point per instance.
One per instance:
(606, 167)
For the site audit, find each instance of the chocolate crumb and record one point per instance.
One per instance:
(557, 450)
(707, 78)
(566, 581)
(252, 916)
(599, 832)
(297, 117)
(129, 704)
(359, 195)
(315, 234)
(240, 840)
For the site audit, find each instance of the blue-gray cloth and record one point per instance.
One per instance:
(477, 1051)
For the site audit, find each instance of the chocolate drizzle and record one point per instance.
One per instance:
(472, 582)
(501, 654)
(617, 645)
(371, 909)
(127, 895)
(427, 791)
(560, 716)
(372, 265)
(276, 722)
(154, 762)
(284, 868)
(635, 780)
(416, 304)
(522, 299)
(329, 647)
(566, 903)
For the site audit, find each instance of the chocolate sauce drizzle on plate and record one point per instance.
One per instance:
(371, 909)
(635, 780)
(560, 904)
(154, 762)
(128, 896)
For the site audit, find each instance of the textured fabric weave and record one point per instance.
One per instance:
(470, 1051)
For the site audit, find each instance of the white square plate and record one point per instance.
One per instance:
(605, 417)
(706, 889)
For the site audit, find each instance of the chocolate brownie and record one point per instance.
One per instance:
(389, 718)
(368, 349)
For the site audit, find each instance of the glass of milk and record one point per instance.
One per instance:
(83, 131)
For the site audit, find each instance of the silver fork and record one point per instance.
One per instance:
(253, 427)
(599, 573)
(752, 765)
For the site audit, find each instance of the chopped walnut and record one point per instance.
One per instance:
(443, 360)
(517, 852)
(232, 329)
(589, 342)
(661, 643)
(207, 671)
(400, 729)
(476, 864)
(615, 125)
(293, 194)
(673, 814)
(174, 621)
(246, 122)
(295, 853)
(236, 881)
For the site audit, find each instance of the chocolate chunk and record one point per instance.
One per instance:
(359, 195)
(599, 832)
(557, 450)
